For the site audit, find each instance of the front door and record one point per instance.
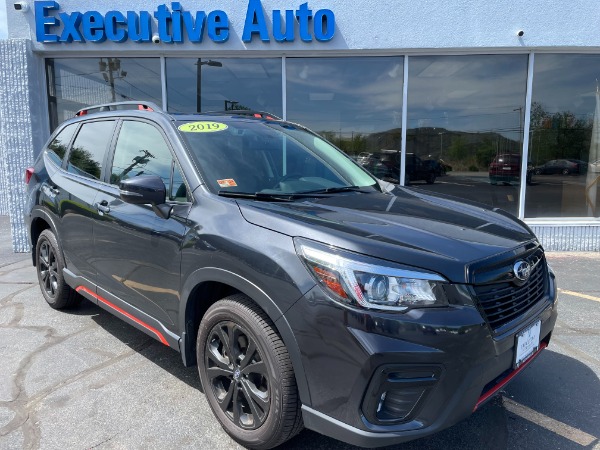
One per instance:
(138, 254)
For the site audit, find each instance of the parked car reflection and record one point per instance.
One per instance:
(561, 166)
(506, 169)
(386, 165)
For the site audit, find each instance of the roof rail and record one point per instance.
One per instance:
(246, 112)
(140, 106)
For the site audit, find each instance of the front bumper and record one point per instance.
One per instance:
(346, 352)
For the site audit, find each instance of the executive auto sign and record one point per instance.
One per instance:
(175, 24)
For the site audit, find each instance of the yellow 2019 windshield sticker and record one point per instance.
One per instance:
(202, 127)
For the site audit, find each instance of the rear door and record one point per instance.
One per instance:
(75, 188)
(137, 253)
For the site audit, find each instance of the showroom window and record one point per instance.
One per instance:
(75, 83)
(465, 126)
(355, 103)
(203, 84)
(564, 142)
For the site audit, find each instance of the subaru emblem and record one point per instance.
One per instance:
(522, 270)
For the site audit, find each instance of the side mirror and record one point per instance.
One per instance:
(144, 190)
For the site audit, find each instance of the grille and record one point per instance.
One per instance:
(504, 302)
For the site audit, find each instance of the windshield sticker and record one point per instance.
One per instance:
(230, 182)
(202, 127)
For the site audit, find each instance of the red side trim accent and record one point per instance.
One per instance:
(509, 377)
(81, 113)
(158, 334)
(28, 174)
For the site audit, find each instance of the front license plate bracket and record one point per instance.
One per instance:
(527, 342)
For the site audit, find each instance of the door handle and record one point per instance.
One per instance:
(103, 207)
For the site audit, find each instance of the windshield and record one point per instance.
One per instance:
(269, 158)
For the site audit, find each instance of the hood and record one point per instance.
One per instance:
(409, 226)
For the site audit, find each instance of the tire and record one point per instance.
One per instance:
(50, 263)
(430, 179)
(538, 171)
(260, 409)
(406, 179)
(566, 172)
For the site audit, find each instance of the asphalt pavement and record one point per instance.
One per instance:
(86, 380)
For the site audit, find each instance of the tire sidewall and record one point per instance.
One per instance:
(270, 429)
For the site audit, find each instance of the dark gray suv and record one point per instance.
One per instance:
(309, 293)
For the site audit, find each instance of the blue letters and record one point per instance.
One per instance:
(304, 15)
(194, 29)
(93, 26)
(176, 22)
(71, 24)
(139, 28)
(255, 22)
(324, 25)
(288, 34)
(218, 26)
(111, 22)
(172, 25)
(43, 22)
(163, 17)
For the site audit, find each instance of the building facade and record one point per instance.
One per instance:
(495, 102)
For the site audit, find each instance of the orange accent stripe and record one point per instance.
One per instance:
(505, 381)
(161, 338)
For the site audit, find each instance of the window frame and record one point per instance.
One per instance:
(65, 164)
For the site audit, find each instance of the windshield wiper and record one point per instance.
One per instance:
(266, 196)
(333, 190)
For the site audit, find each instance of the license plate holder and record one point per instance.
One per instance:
(527, 342)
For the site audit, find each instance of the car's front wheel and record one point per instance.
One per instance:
(247, 375)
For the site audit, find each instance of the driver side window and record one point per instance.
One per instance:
(142, 150)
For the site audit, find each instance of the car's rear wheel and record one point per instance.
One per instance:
(430, 178)
(247, 374)
(566, 171)
(50, 265)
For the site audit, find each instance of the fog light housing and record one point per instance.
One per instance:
(396, 392)
(397, 404)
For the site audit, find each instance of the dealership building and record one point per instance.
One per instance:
(500, 100)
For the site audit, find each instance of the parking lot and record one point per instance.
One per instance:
(84, 379)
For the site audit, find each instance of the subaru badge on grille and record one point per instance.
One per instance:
(522, 270)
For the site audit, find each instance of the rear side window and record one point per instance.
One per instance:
(59, 145)
(142, 150)
(87, 154)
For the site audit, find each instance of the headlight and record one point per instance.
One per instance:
(370, 285)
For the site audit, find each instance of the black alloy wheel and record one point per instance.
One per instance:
(247, 374)
(48, 269)
(238, 375)
(50, 264)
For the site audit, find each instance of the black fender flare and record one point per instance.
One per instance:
(40, 213)
(262, 299)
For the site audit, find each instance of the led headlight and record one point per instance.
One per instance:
(370, 285)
